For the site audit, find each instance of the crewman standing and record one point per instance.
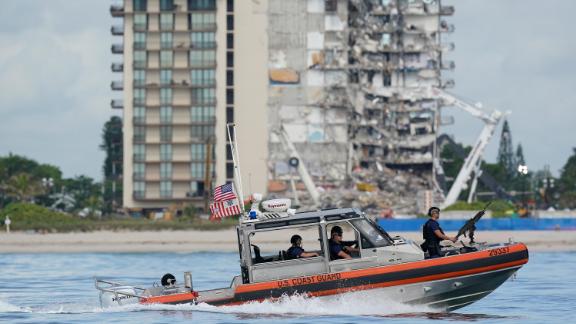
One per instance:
(433, 234)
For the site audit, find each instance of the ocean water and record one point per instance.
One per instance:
(59, 288)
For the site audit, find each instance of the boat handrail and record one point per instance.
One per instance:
(111, 284)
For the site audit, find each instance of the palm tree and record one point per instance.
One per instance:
(22, 187)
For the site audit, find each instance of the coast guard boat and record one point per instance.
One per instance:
(389, 266)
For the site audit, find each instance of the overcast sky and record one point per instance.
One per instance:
(516, 55)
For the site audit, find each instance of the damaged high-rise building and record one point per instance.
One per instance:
(344, 77)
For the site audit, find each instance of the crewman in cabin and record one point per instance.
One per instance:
(296, 251)
(433, 234)
(338, 248)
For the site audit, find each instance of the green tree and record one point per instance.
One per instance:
(112, 145)
(567, 183)
(22, 187)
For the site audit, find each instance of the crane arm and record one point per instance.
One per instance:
(302, 171)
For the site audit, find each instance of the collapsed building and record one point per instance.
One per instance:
(344, 79)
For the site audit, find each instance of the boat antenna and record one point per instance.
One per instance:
(231, 128)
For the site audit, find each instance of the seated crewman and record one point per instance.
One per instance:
(338, 248)
(296, 251)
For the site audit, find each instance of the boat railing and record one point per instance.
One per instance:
(108, 286)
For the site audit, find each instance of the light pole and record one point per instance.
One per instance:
(523, 170)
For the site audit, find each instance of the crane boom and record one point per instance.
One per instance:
(302, 171)
(473, 159)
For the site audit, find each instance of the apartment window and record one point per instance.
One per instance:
(166, 40)
(331, 5)
(139, 41)
(139, 171)
(166, 5)
(139, 96)
(229, 96)
(198, 152)
(229, 170)
(230, 41)
(196, 189)
(165, 170)
(140, 21)
(166, 96)
(139, 59)
(230, 22)
(201, 5)
(228, 152)
(139, 78)
(201, 132)
(139, 133)
(140, 5)
(202, 77)
(229, 114)
(139, 189)
(139, 152)
(165, 77)
(166, 114)
(202, 58)
(197, 170)
(165, 133)
(166, 58)
(201, 21)
(230, 78)
(203, 39)
(230, 59)
(203, 96)
(166, 189)
(230, 5)
(202, 114)
(166, 152)
(166, 21)
(139, 115)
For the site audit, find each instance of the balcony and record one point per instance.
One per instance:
(446, 27)
(117, 10)
(203, 45)
(117, 30)
(117, 85)
(448, 65)
(117, 104)
(139, 45)
(117, 67)
(139, 64)
(446, 10)
(117, 48)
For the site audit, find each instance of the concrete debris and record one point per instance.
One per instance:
(284, 76)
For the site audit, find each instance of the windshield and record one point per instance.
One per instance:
(371, 233)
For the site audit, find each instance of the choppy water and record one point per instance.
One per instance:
(60, 288)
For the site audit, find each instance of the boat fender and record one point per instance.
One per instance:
(168, 280)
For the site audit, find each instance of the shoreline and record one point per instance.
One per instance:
(226, 241)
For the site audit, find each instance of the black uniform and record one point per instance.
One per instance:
(431, 240)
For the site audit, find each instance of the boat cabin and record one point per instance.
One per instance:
(263, 244)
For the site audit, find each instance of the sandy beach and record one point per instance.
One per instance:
(225, 241)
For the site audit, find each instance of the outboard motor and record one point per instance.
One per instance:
(118, 296)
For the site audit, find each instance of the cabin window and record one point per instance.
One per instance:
(371, 236)
(273, 245)
(350, 237)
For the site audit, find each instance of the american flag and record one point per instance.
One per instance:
(223, 209)
(224, 192)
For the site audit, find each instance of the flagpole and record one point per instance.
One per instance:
(236, 160)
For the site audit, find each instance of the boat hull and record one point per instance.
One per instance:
(446, 283)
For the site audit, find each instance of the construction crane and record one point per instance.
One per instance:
(302, 171)
(474, 158)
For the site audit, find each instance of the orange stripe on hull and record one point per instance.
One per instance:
(392, 268)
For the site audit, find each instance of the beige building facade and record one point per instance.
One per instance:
(341, 77)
